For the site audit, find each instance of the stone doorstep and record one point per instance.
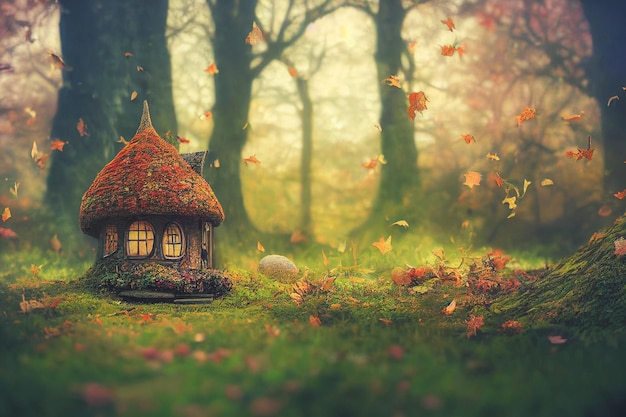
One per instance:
(156, 297)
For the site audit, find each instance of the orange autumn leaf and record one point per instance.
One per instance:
(493, 156)
(582, 153)
(255, 35)
(384, 246)
(6, 214)
(81, 127)
(56, 60)
(182, 139)
(38, 158)
(293, 72)
(211, 69)
(297, 237)
(417, 103)
(472, 178)
(260, 247)
(620, 195)
(373, 163)
(511, 202)
(412, 46)
(498, 179)
(325, 259)
(620, 246)
(315, 321)
(473, 324)
(128, 54)
(392, 81)
(57, 145)
(447, 50)
(527, 114)
(449, 23)
(252, 159)
(139, 68)
(449, 309)
(133, 96)
(468, 138)
(206, 115)
(574, 117)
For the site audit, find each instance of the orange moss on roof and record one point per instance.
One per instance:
(147, 177)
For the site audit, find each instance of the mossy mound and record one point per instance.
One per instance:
(586, 291)
(116, 276)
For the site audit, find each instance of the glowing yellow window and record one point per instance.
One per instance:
(140, 239)
(172, 241)
(110, 239)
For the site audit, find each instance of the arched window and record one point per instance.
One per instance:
(172, 241)
(110, 239)
(140, 239)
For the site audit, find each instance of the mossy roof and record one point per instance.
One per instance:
(147, 177)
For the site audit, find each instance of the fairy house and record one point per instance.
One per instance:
(150, 206)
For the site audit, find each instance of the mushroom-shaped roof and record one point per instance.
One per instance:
(147, 177)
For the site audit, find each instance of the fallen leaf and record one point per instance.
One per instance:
(546, 181)
(7, 233)
(211, 69)
(449, 309)
(252, 159)
(473, 324)
(260, 247)
(620, 246)
(472, 178)
(384, 246)
(6, 214)
(557, 340)
(449, 23)
(315, 321)
(439, 253)
(133, 96)
(324, 258)
(392, 81)
(55, 244)
(255, 35)
(402, 223)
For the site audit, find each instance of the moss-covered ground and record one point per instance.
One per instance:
(344, 341)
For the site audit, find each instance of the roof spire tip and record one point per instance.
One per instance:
(146, 121)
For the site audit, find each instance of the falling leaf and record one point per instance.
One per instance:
(417, 103)
(260, 247)
(81, 127)
(412, 46)
(182, 139)
(341, 247)
(448, 50)
(399, 276)
(7, 233)
(255, 35)
(493, 156)
(32, 115)
(297, 237)
(324, 258)
(57, 61)
(133, 96)
(620, 246)
(527, 114)
(574, 117)
(57, 145)
(449, 309)
(293, 72)
(211, 69)
(557, 340)
(206, 115)
(472, 178)
(384, 246)
(122, 141)
(378, 127)
(252, 159)
(34, 269)
(526, 185)
(620, 195)
(245, 126)
(373, 163)
(611, 100)
(449, 23)
(468, 138)
(511, 202)
(14, 189)
(392, 81)
(128, 54)
(315, 321)
(139, 68)
(582, 153)
(546, 181)
(402, 223)
(439, 253)
(55, 244)
(498, 179)
(6, 214)
(39, 158)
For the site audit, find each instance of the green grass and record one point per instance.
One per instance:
(256, 352)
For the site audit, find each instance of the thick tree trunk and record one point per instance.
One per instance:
(307, 156)
(98, 81)
(607, 76)
(233, 90)
(399, 177)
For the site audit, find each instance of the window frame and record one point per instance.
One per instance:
(181, 244)
(127, 240)
(111, 230)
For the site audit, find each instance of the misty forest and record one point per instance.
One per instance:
(313, 207)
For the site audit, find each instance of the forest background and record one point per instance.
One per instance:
(318, 93)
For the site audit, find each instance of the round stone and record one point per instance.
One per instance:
(279, 267)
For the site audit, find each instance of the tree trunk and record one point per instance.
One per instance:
(98, 81)
(606, 76)
(233, 90)
(399, 176)
(307, 156)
